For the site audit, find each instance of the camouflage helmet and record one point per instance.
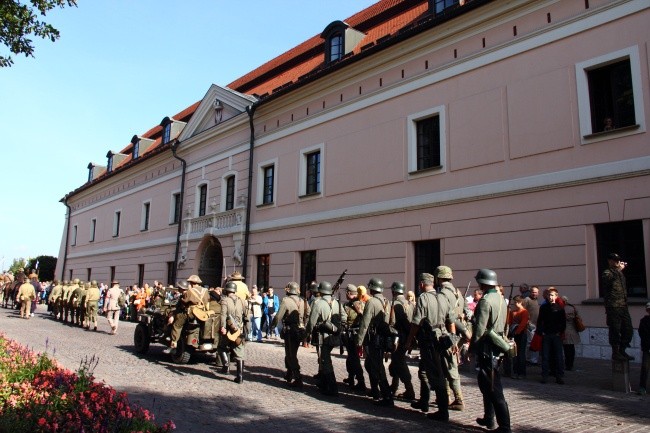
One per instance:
(293, 288)
(376, 285)
(194, 279)
(487, 277)
(397, 287)
(325, 288)
(444, 272)
(230, 287)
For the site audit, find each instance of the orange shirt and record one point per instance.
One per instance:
(520, 317)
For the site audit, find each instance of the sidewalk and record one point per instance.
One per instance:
(200, 400)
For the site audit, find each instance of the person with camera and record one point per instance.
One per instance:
(490, 315)
(324, 324)
(618, 315)
(372, 337)
(292, 314)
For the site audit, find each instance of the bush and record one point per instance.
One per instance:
(38, 395)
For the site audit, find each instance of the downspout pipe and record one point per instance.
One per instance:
(174, 148)
(64, 200)
(247, 231)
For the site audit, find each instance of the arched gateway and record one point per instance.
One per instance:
(210, 261)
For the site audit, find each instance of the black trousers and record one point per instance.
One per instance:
(489, 382)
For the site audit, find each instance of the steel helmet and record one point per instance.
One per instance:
(325, 288)
(194, 279)
(293, 288)
(444, 272)
(397, 287)
(487, 277)
(376, 285)
(230, 287)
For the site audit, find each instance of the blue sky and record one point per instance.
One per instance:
(119, 67)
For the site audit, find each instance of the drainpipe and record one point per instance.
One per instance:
(174, 148)
(64, 200)
(251, 112)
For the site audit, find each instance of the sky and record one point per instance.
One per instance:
(120, 67)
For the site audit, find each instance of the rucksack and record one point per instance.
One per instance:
(121, 300)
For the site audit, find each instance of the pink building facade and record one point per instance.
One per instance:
(507, 135)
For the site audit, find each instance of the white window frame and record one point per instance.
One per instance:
(117, 221)
(93, 229)
(412, 141)
(198, 198)
(261, 167)
(172, 208)
(224, 186)
(73, 241)
(145, 220)
(584, 106)
(302, 171)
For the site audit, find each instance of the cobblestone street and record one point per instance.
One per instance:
(198, 399)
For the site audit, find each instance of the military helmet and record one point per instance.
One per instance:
(87, 285)
(93, 283)
(487, 277)
(313, 287)
(444, 272)
(75, 281)
(194, 279)
(293, 288)
(376, 285)
(66, 282)
(230, 287)
(325, 288)
(182, 285)
(397, 287)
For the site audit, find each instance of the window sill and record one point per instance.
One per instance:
(310, 195)
(611, 132)
(264, 205)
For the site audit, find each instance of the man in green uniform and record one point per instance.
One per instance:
(618, 315)
(26, 294)
(490, 314)
(232, 321)
(373, 338)
(71, 305)
(449, 358)
(428, 324)
(92, 299)
(326, 318)
(293, 318)
(53, 299)
(400, 319)
(354, 311)
(195, 295)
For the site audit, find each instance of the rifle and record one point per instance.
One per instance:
(467, 289)
(507, 323)
(336, 287)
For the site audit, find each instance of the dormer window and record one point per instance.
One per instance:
(167, 130)
(439, 7)
(340, 40)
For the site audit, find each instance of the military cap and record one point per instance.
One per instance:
(444, 272)
(194, 279)
(351, 288)
(115, 282)
(614, 256)
(426, 278)
(235, 276)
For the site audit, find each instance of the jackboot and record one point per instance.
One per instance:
(240, 372)
(625, 355)
(457, 404)
(361, 385)
(409, 394)
(297, 381)
(225, 363)
(423, 403)
(330, 388)
(617, 355)
(394, 385)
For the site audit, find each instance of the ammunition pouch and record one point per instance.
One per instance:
(384, 337)
(501, 343)
(328, 328)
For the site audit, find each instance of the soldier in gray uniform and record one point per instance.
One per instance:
(232, 312)
(293, 317)
(428, 324)
(372, 337)
(354, 310)
(490, 314)
(400, 319)
(326, 318)
(449, 358)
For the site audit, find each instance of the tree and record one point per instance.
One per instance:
(17, 265)
(19, 21)
(46, 267)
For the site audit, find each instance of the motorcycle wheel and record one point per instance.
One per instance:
(181, 356)
(141, 338)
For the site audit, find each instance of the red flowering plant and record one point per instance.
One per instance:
(39, 395)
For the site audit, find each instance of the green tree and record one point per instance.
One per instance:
(17, 265)
(19, 21)
(46, 267)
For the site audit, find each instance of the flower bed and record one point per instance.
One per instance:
(39, 395)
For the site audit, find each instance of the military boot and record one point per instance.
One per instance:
(457, 404)
(617, 355)
(394, 386)
(225, 366)
(297, 381)
(625, 355)
(361, 385)
(331, 387)
(423, 403)
(409, 394)
(240, 372)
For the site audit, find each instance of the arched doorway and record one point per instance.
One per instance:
(210, 261)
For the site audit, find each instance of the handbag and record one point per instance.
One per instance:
(536, 343)
(578, 323)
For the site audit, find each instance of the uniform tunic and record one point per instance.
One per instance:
(375, 312)
(323, 309)
(618, 315)
(292, 315)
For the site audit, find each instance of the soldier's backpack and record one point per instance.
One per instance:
(121, 300)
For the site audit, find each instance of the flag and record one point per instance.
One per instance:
(36, 264)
